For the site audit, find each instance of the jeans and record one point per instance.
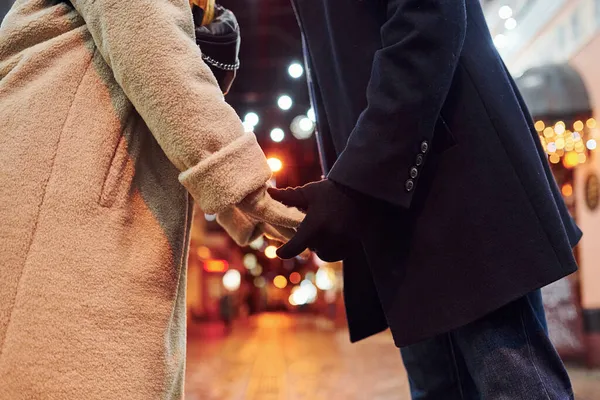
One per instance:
(506, 355)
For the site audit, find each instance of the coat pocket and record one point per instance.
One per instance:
(117, 174)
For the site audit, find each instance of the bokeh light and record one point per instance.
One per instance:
(295, 278)
(280, 282)
(540, 126)
(571, 160)
(505, 12)
(567, 190)
(510, 24)
(302, 127)
(251, 119)
(260, 282)
(257, 271)
(250, 261)
(271, 252)
(591, 123)
(285, 102)
(277, 135)
(325, 278)
(295, 70)
(203, 252)
(275, 164)
(232, 280)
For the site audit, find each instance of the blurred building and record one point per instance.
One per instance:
(552, 48)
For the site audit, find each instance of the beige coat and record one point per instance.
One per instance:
(105, 111)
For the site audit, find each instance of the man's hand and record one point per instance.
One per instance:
(335, 216)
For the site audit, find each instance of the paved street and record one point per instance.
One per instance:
(286, 357)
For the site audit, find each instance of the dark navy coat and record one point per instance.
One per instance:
(416, 109)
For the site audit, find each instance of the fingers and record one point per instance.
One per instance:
(266, 209)
(300, 242)
(290, 197)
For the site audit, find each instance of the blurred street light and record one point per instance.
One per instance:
(325, 278)
(252, 118)
(203, 252)
(277, 135)
(295, 278)
(257, 271)
(232, 280)
(311, 114)
(510, 24)
(271, 252)
(310, 289)
(260, 282)
(285, 102)
(275, 164)
(250, 261)
(567, 190)
(298, 297)
(280, 282)
(500, 41)
(302, 127)
(295, 70)
(505, 12)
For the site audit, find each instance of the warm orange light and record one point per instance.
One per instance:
(578, 126)
(567, 190)
(540, 125)
(591, 123)
(295, 278)
(275, 164)
(216, 265)
(570, 160)
(271, 252)
(549, 132)
(280, 282)
(559, 128)
(203, 252)
(554, 159)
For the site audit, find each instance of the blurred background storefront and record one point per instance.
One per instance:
(552, 48)
(225, 280)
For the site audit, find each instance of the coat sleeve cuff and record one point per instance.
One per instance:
(227, 176)
(364, 176)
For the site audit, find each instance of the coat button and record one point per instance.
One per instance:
(419, 160)
(424, 146)
(409, 185)
(414, 172)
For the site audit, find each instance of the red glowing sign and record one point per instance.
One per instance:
(216, 265)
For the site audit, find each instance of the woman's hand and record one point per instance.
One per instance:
(258, 214)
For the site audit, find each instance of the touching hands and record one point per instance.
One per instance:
(258, 214)
(335, 217)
